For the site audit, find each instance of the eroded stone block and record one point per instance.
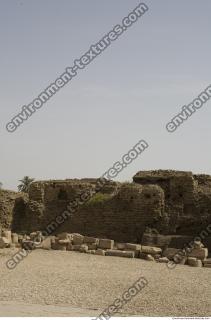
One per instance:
(120, 246)
(78, 239)
(64, 236)
(193, 262)
(132, 246)
(4, 243)
(106, 244)
(163, 260)
(14, 238)
(100, 252)
(91, 240)
(8, 235)
(84, 248)
(119, 253)
(92, 246)
(170, 253)
(151, 250)
(28, 245)
(200, 253)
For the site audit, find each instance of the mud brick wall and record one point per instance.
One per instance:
(119, 211)
(12, 209)
(187, 199)
(170, 202)
(122, 216)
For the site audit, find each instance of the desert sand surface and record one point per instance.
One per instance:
(21, 309)
(57, 283)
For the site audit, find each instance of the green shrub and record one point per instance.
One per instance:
(98, 198)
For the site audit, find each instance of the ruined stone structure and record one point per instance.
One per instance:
(172, 203)
(187, 199)
(119, 211)
(12, 206)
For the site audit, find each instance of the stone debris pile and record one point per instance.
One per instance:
(197, 257)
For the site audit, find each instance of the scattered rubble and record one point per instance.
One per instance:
(197, 257)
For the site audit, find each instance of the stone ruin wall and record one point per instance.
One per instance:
(121, 213)
(187, 205)
(12, 208)
(170, 202)
(187, 199)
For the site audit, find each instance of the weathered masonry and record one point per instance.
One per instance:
(156, 204)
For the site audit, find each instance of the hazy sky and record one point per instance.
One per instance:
(126, 94)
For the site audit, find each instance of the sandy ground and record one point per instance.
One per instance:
(56, 283)
(14, 309)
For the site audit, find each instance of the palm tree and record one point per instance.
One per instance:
(25, 183)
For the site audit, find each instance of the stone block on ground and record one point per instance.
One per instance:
(100, 252)
(136, 252)
(64, 241)
(84, 248)
(4, 243)
(36, 236)
(183, 260)
(194, 262)
(70, 247)
(92, 246)
(120, 246)
(33, 235)
(91, 240)
(198, 263)
(170, 253)
(91, 251)
(106, 244)
(151, 250)
(198, 244)
(64, 236)
(132, 246)
(7, 234)
(57, 246)
(119, 253)
(28, 245)
(142, 255)
(200, 253)
(191, 260)
(78, 239)
(180, 257)
(163, 260)
(146, 256)
(207, 263)
(27, 238)
(14, 238)
(76, 247)
(157, 256)
(47, 243)
(207, 260)
(20, 238)
(149, 257)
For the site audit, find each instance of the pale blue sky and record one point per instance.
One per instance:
(126, 94)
